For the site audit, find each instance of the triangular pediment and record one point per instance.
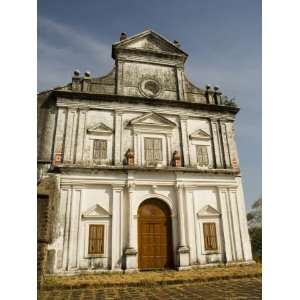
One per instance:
(96, 211)
(152, 120)
(150, 40)
(208, 211)
(100, 128)
(200, 135)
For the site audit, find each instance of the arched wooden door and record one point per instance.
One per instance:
(154, 235)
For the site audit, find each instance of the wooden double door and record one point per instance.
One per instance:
(155, 249)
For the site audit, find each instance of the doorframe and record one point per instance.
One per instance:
(171, 225)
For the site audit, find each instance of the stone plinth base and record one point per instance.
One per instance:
(130, 259)
(183, 253)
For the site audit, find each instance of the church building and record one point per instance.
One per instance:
(139, 169)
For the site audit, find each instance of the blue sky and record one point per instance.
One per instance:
(222, 38)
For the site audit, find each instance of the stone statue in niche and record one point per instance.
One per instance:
(176, 161)
(129, 158)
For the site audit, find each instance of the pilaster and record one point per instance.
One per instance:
(81, 135)
(190, 223)
(71, 130)
(185, 141)
(243, 222)
(74, 229)
(117, 228)
(235, 224)
(218, 153)
(119, 77)
(59, 135)
(183, 251)
(223, 195)
(225, 145)
(232, 145)
(66, 236)
(136, 149)
(169, 149)
(118, 138)
(179, 75)
(130, 251)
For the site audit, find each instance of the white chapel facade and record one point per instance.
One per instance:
(140, 167)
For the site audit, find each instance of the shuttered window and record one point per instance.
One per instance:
(153, 149)
(96, 239)
(202, 155)
(100, 149)
(210, 236)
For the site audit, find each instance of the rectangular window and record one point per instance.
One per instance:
(202, 155)
(210, 236)
(153, 149)
(96, 239)
(100, 149)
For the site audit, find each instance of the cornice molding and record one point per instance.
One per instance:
(148, 101)
(64, 168)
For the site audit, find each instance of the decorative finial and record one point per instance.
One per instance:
(216, 88)
(176, 43)
(76, 72)
(208, 87)
(123, 36)
(87, 74)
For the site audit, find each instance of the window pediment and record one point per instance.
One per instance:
(200, 135)
(152, 120)
(100, 129)
(96, 211)
(208, 211)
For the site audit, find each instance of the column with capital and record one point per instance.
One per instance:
(130, 251)
(183, 251)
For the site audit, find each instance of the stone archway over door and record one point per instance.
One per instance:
(154, 235)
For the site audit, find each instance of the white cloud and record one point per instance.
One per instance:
(61, 49)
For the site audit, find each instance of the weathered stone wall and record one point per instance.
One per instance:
(73, 142)
(42, 236)
(41, 262)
